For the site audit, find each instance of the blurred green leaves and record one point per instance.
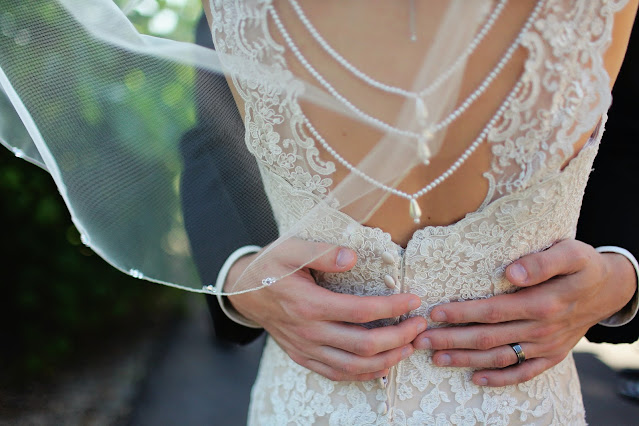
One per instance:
(58, 298)
(174, 19)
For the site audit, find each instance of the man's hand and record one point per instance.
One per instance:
(565, 290)
(317, 327)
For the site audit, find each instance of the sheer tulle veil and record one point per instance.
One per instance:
(110, 112)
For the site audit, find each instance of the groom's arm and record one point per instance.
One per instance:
(215, 225)
(607, 215)
(223, 207)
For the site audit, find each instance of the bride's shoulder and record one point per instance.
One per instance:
(624, 20)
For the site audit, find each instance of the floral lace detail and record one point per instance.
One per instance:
(441, 264)
(275, 133)
(565, 93)
(531, 204)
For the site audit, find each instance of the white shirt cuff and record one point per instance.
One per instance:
(225, 305)
(628, 312)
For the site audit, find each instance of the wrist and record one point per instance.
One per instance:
(231, 271)
(622, 273)
(237, 302)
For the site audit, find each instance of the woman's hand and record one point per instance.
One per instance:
(566, 290)
(317, 327)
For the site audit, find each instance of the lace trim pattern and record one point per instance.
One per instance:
(566, 91)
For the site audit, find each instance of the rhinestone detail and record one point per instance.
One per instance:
(268, 281)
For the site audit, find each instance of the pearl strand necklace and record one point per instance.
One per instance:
(414, 209)
(428, 133)
(393, 89)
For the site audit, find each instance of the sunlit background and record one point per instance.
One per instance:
(174, 19)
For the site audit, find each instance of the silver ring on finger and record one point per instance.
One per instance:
(521, 357)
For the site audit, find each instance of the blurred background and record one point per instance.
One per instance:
(81, 343)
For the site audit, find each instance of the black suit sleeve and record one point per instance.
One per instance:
(608, 216)
(223, 208)
(214, 223)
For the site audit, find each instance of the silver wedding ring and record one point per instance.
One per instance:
(521, 357)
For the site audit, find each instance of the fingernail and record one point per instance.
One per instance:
(424, 343)
(482, 382)
(518, 273)
(439, 316)
(443, 360)
(406, 352)
(421, 326)
(414, 304)
(380, 374)
(344, 258)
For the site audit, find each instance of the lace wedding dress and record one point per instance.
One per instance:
(533, 201)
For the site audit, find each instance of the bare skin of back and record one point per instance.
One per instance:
(372, 35)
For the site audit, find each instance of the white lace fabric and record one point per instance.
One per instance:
(533, 201)
(443, 263)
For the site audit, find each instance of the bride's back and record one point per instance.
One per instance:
(375, 38)
(518, 192)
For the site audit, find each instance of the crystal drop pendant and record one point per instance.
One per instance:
(414, 210)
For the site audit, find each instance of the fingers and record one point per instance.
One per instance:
(328, 371)
(499, 357)
(349, 352)
(318, 303)
(338, 376)
(565, 257)
(364, 342)
(561, 263)
(353, 365)
(363, 309)
(501, 362)
(502, 308)
(339, 365)
(304, 301)
(513, 375)
(320, 256)
(284, 258)
(474, 336)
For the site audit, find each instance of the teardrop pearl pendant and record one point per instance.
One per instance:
(414, 210)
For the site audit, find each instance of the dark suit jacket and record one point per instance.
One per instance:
(220, 220)
(608, 213)
(216, 227)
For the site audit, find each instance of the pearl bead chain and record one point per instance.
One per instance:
(385, 126)
(493, 74)
(392, 89)
(375, 121)
(432, 185)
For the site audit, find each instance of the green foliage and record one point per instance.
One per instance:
(108, 115)
(59, 300)
(174, 19)
(58, 297)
